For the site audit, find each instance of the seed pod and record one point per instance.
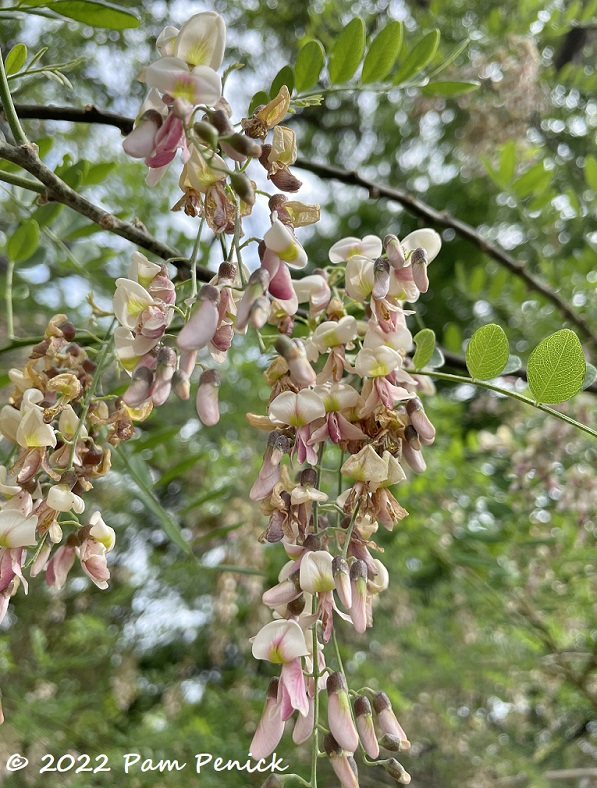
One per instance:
(243, 187)
(207, 133)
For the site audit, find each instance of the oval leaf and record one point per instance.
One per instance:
(425, 343)
(420, 56)
(96, 13)
(347, 52)
(24, 241)
(15, 60)
(285, 76)
(449, 88)
(557, 368)
(382, 53)
(487, 353)
(308, 65)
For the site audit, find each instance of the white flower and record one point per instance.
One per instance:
(33, 432)
(101, 532)
(280, 240)
(62, 499)
(359, 277)
(332, 333)
(296, 409)
(130, 300)
(280, 642)
(17, 529)
(142, 270)
(316, 574)
(172, 76)
(375, 362)
(425, 239)
(201, 41)
(370, 246)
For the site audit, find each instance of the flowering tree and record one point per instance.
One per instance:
(344, 418)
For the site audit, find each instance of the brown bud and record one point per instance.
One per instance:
(207, 133)
(243, 187)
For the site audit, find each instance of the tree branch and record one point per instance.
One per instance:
(413, 205)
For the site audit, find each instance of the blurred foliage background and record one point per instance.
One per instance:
(486, 640)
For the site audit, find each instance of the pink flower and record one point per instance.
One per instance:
(200, 329)
(271, 725)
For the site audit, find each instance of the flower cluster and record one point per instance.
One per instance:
(347, 387)
(53, 422)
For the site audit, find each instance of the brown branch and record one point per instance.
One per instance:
(413, 205)
(444, 219)
(89, 114)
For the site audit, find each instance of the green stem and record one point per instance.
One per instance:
(350, 529)
(194, 255)
(90, 393)
(315, 742)
(24, 183)
(10, 327)
(337, 650)
(513, 394)
(9, 108)
(317, 481)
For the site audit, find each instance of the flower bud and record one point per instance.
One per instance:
(412, 438)
(344, 765)
(181, 385)
(358, 582)
(387, 719)
(273, 781)
(141, 141)
(413, 458)
(294, 354)
(341, 573)
(138, 391)
(397, 771)
(271, 726)
(419, 261)
(420, 420)
(394, 251)
(260, 312)
(365, 726)
(393, 743)
(283, 593)
(381, 274)
(207, 397)
(165, 368)
(256, 287)
(202, 325)
(339, 716)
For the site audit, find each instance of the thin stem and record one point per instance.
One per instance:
(24, 183)
(317, 481)
(9, 313)
(194, 255)
(8, 107)
(91, 393)
(337, 650)
(513, 394)
(348, 537)
(315, 743)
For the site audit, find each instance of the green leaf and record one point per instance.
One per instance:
(382, 53)
(139, 472)
(15, 60)
(508, 162)
(557, 368)
(591, 173)
(425, 343)
(96, 13)
(308, 65)
(24, 241)
(449, 60)
(590, 376)
(258, 99)
(285, 76)
(452, 337)
(420, 56)
(449, 88)
(513, 365)
(487, 353)
(347, 52)
(533, 181)
(98, 173)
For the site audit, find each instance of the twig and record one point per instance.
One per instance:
(8, 108)
(24, 183)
